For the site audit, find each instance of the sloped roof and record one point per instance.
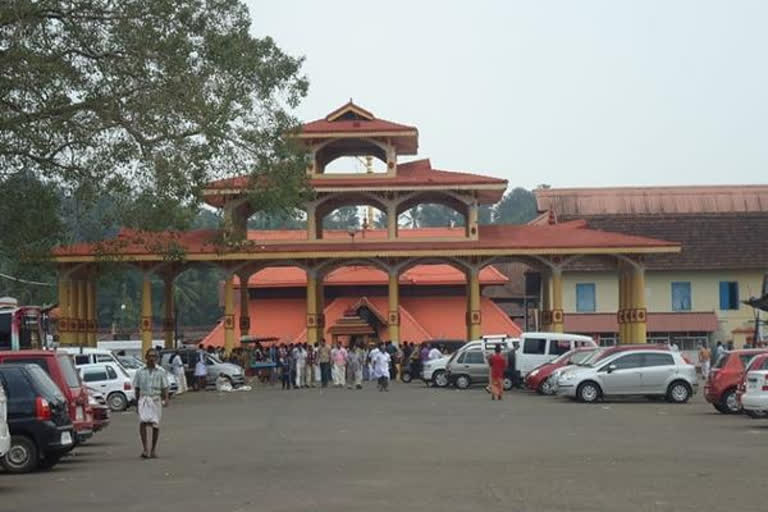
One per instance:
(579, 202)
(362, 121)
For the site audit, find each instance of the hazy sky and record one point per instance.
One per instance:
(570, 93)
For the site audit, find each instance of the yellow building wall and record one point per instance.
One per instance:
(705, 294)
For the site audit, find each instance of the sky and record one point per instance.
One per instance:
(567, 93)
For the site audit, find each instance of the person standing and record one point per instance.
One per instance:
(719, 351)
(177, 365)
(355, 368)
(309, 373)
(498, 364)
(381, 359)
(434, 353)
(201, 371)
(324, 358)
(704, 357)
(300, 355)
(151, 385)
(339, 358)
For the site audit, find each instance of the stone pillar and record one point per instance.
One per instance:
(393, 318)
(314, 312)
(145, 326)
(391, 221)
(471, 221)
(558, 317)
(625, 335)
(90, 312)
(229, 315)
(545, 323)
(312, 233)
(639, 313)
(82, 312)
(169, 321)
(65, 317)
(245, 319)
(474, 315)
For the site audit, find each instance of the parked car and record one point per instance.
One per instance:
(539, 378)
(724, 378)
(38, 419)
(468, 365)
(112, 381)
(754, 398)
(651, 373)
(433, 371)
(58, 365)
(90, 355)
(537, 348)
(215, 366)
(132, 364)
(100, 409)
(5, 435)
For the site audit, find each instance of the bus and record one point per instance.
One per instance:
(21, 327)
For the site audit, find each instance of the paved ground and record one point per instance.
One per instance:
(413, 448)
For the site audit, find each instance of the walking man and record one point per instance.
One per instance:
(704, 358)
(201, 371)
(178, 371)
(381, 360)
(300, 356)
(151, 385)
(309, 373)
(324, 358)
(339, 357)
(498, 364)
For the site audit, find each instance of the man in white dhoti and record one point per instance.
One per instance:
(381, 359)
(300, 356)
(177, 365)
(339, 358)
(151, 384)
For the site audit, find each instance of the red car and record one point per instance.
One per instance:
(60, 367)
(758, 362)
(538, 378)
(725, 377)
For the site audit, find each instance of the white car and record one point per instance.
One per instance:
(5, 435)
(133, 364)
(754, 401)
(433, 371)
(111, 380)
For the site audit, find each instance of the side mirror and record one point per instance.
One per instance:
(611, 368)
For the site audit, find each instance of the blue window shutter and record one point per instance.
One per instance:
(734, 295)
(585, 297)
(723, 295)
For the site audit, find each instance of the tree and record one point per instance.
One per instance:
(342, 218)
(147, 101)
(517, 207)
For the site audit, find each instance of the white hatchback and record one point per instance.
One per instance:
(112, 381)
(754, 400)
(5, 435)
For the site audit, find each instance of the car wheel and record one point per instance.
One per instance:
(756, 415)
(679, 392)
(547, 387)
(463, 381)
(720, 408)
(406, 377)
(22, 457)
(729, 403)
(588, 392)
(439, 379)
(117, 401)
(507, 384)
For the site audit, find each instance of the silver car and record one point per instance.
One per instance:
(633, 372)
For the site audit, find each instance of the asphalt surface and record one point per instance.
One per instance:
(411, 449)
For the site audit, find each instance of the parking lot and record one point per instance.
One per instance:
(413, 448)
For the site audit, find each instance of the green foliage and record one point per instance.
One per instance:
(517, 207)
(342, 218)
(146, 102)
(291, 220)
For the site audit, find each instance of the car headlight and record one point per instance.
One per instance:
(534, 373)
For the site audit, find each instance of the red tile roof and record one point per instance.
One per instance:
(355, 275)
(492, 237)
(657, 322)
(421, 318)
(367, 122)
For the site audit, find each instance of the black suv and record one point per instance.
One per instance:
(41, 431)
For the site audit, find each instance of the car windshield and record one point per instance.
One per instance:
(584, 355)
(47, 387)
(130, 362)
(562, 358)
(593, 358)
(68, 369)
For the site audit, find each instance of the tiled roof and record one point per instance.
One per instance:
(592, 323)
(491, 237)
(579, 202)
(367, 122)
(708, 241)
(356, 275)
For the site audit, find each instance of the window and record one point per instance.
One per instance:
(111, 373)
(5, 331)
(535, 346)
(628, 362)
(585, 297)
(474, 357)
(460, 359)
(104, 358)
(68, 369)
(94, 374)
(681, 296)
(659, 360)
(559, 347)
(82, 359)
(729, 295)
(16, 385)
(30, 360)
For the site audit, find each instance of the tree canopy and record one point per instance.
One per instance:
(147, 100)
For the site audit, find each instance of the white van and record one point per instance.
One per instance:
(537, 348)
(90, 355)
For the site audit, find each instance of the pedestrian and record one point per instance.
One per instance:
(704, 358)
(285, 368)
(498, 364)
(324, 358)
(177, 365)
(424, 353)
(718, 353)
(381, 359)
(201, 371)
(434, 353)
(355, 360)
(309, 373)
(339, 358)
(300, 356)
(151, 385)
